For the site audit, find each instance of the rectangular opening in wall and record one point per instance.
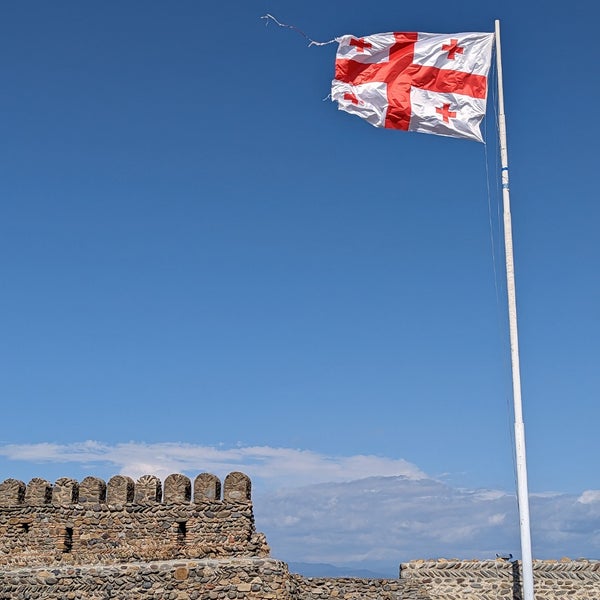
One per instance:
(181, 532)
(68, 541)
(25, 528)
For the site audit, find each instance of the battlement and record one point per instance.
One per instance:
(70, 540)
(89, 522)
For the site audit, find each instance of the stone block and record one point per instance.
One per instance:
(38, 492)
(65, 491)
(148, 490)
(237, 487)
(178, 489)
(12, 492)
(120, 490)
(92, 489)
(207, 487)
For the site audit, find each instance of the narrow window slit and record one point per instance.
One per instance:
(68, 543)
(181, 532)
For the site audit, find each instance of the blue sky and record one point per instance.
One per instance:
(206, 266)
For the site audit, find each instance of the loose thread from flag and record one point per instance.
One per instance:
(268, 18)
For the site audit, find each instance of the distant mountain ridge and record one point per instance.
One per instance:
(327, 570)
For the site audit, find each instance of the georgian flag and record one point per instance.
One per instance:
(427, 82)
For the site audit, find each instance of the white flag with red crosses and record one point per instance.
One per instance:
(427, 82)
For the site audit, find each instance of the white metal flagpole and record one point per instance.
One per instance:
(522, 493)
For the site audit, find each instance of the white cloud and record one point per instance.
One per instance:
(277, 466)
(589, 496)
(497, 519)
(382, 521)
(485, 495)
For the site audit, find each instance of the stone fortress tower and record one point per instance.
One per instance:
(144, 540)
(96, 523)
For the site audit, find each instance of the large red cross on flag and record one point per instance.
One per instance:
(427, 82)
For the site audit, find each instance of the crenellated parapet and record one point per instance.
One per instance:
(122, 520)
(148, 489)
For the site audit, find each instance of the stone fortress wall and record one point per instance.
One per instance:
(499, 579)
(144, 540)
(92, 522)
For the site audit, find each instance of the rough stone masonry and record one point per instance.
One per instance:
(131, 540)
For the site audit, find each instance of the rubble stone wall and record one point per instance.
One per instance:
(91, 522)
(210, 579)
(346, 588)
(499, 580)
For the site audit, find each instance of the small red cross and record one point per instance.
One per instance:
(452, 48)
(400, 74)
(351, 97)
(446, 113)
(360, 44)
